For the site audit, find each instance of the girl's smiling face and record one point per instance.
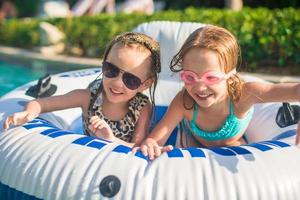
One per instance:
(201, 61)
(132, 59)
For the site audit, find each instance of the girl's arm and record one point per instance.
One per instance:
(256, 92)
(75, 98)
(72, 99)
(280, 92)
(142, 126)
(170, 120)
(163, 129)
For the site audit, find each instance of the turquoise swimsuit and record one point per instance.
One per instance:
(231, 127)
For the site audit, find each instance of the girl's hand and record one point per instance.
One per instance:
(18, 118)
(101, 129)
(298, 135)
(150, 148)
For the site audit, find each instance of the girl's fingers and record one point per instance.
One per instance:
(144, 150)
(20, 118)
(151, 152)
(94, 117)
(6, 123)
(11, 120)
(135, 149)
(17, 119)
(92, 128)
(93, 121)
(157, 151)
(97, 125)
(167, 148)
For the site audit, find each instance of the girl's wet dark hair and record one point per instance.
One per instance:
(132, 38)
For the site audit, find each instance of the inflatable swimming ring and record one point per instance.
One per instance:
(50, 158)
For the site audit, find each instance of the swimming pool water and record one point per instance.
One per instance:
(12, 75)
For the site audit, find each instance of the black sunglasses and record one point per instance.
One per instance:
(131, 81)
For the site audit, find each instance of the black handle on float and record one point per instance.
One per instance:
(43, 88)
(288, 115)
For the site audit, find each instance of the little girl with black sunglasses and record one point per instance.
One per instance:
(113, 107)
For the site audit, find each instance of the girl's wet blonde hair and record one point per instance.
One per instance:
(224, 44)
(131, 38)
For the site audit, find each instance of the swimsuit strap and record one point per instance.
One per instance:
(195, 112)
(197, 109)
(231, 108)
(230, 128)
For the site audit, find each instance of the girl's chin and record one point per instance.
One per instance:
(117, 98)
(114, 98)
(205, 102)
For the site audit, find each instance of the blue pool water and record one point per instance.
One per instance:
(12, 76)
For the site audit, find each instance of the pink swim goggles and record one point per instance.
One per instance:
(209, 78)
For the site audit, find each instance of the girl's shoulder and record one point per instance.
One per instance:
(250, 96)
(255, 86)
(94, 85)
(138, 101)
(141, 96)
(136, 105)
(183, 99)
(182, 102)
(252, 90)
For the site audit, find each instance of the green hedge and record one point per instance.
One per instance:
(264, 34)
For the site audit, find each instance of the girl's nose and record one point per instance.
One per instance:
(118, 79)
(201, 85)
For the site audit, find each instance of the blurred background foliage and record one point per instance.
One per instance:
(267, 36)
(179, 4)
(28, 8)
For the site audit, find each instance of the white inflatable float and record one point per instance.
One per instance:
(50, 158)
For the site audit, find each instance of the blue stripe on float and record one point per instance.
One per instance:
(39, 120)
(96, 144)
(103, 140)
(261, 147)
(239, 150)
(195, 152)
(122, 149)
(222, 151)
(277, 143)
(175, 153)
(53, 132)
(35, 122)
(83, 140)
(31, 126)
(141, 155)
(48, 131)
(285, 134)
(60, 133)
(9, 193)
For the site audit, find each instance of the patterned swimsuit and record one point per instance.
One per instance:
(122, 129)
